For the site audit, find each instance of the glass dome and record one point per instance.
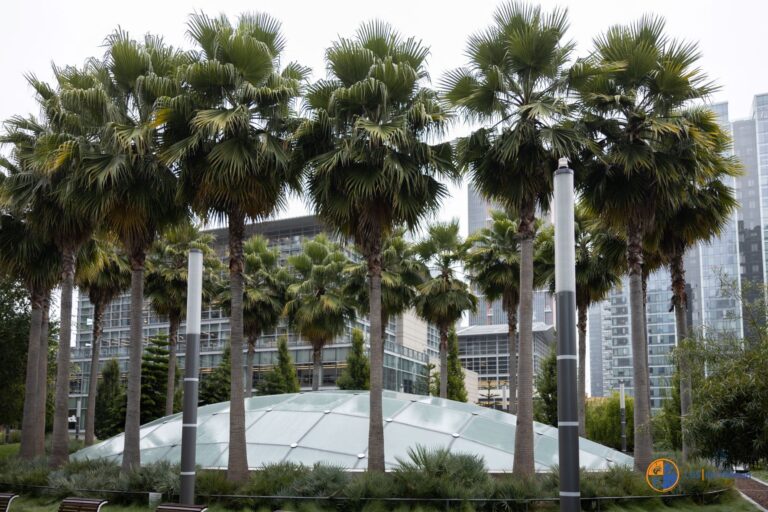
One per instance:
(332, 427)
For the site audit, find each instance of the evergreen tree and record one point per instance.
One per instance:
(357, 373)
(282, 378)
(154, 378)
(110, 402)
(215, 387)
(545, 410)
(456, 389)
(14, 326)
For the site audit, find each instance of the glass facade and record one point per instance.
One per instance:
(304, 429)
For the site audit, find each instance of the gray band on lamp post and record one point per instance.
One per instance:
(567, 359)
(191, 371)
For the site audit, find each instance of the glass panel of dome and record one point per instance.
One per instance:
(338, 433)
(308, 402)
(284, 427)
(209, 455)
(164, 435)
(439, 402)
(260, 455)
(111, 446)
(212, 408)
(399, 438)
(590, 460)
(174, 454)
(213, 429)
(441, 419)
(495, 460)
(309, 457)
(545, 450)
(358, 405)
(150, 455)
(264, 402)
(491, 433)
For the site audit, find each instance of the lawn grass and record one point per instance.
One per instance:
(762, 474)
(8, 450)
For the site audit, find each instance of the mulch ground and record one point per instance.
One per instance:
(754, 490)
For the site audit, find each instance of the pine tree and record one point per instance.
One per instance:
(215, 387)
(154, 378)
(110, 398)
(282, 378)
(357, 373)
(545, 410)
(456, 389)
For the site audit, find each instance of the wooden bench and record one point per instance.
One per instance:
(5, 500)
(81, 505)
(177, 507)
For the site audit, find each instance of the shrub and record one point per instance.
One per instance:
(18, 473)
(603, 421)
(271, 480)
(439, 474)
(323, 480)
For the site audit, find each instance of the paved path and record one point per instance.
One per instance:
(757, 490)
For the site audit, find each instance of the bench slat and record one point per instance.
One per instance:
(176, 507)
(81, 505)
(6, 499)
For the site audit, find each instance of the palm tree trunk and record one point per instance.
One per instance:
(511, 306)
(677, 271)
(131, 453)
(642, 415)
(170, 383)
(60, 443)
(376, 416)
(30, 420)
(523, 460)
(249, 366)
(317, 366)
(42, 372)
(90, 409)
(582, 372)
(443, 362)
(237, 465)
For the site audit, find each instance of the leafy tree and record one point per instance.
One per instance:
(357, 374)
(597, 271)
(154, 373)
(228, 130)
(444, 298)
(318, 305)
(516, 80)
(215, 387)
(14, 324)
(103, 278)
(456, 389)
(264, 297)
(166, 285)
(110, 402)
(604, 421)
(545, 408)
(371, 167)
(667, 424)
(282, 378)
(494, 266)
(634, 88)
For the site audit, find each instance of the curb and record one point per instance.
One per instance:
(753, 502)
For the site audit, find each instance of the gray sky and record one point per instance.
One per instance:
(732, 37)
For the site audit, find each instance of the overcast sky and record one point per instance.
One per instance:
(732, 37)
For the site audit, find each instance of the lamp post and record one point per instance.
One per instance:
(623, 413)
(565, 293)
(191, 378)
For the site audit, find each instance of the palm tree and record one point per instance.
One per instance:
(633, 87)
(318, 305)
(264, 298)
(371, 166)
(516, 80)
(494, 266)
(444, 298)
(401, 274)
(104, 275)
(165, 284)
(704, 212)
(228, 131)
(597, 271)
(35, 261)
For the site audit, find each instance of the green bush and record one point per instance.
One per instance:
(603, 421)
(439, 473)
(274, 478)
(323, 480)
(18, 473)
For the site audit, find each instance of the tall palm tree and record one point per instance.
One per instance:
(104, 276)
(264, 297)
(597, 271)
(34, 260)
(137, 192)
(494, 266)
(515, 79)
(318, 305)
(228, 130)
(443, 299)
(401, 274)
(632, 105)
(165, 284)
(372, 167)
